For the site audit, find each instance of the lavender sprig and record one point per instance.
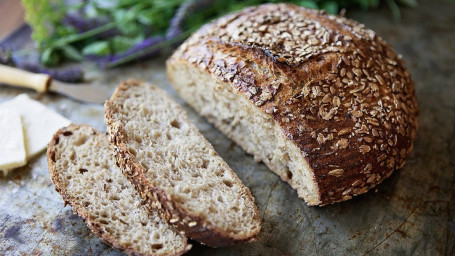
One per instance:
(70, 75)
(152, 46)
(184, 10)
(83, 24)
(151, 49)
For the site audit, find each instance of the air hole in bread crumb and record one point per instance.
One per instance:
(104, 222)
(228, 183)
(132, 151)
(156, 135)
(81, 140)
(157, 246)
(86, 204)
(176, 124)
(157, 236)
(138, 139)
(205, 163)
(114, 197)
(288, 173)
(109, 231)
(68, 133)
(83, 170)
(219, 172)
(53, 156)
(168, 136)
(228, 121)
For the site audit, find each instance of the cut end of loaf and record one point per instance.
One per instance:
(84, 173)
(246, 125)
(176, 169)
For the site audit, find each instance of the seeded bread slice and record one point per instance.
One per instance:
(84, 173)
(176, 169)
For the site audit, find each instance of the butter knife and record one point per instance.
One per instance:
(43, 83)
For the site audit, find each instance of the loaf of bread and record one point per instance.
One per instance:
(323, 101)
(176, 169)
(84, 173)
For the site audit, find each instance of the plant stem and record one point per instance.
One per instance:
(74, 38)
(149, 50)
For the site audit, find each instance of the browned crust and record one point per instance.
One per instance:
(341, 94)
(80, 211)
(159, 199)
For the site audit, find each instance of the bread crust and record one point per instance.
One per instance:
(160, 200)
(335, 89)
(106, 237)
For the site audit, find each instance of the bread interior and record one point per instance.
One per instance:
(237, 117)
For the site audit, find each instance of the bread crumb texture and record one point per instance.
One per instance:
(338, 94)
(203, 196)
(84, 173)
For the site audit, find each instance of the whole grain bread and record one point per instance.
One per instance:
(84, 173)
(323, 101)
(176, 169)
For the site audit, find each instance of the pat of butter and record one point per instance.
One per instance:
(12, 147)
(39, 122)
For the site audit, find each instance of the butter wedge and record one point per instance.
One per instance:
(12, 147)
(39, 123)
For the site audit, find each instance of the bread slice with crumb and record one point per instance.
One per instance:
(84, 172)
(176, 169)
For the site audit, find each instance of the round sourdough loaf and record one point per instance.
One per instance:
(323, 101)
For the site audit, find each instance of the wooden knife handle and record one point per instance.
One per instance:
(21, 78)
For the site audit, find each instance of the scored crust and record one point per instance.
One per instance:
(335, 89)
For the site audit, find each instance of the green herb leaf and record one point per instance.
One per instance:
(122, 43)
(71, 53)
(308, 4)
(330, 7)
(41, 15)
(99, 48)
(50, 57)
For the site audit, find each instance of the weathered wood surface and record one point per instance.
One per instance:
(411, 213)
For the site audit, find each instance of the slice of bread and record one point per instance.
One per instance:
(84, 173)
(176, 169)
